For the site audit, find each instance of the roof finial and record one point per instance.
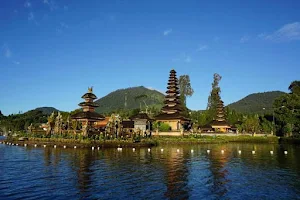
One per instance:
(90, 89)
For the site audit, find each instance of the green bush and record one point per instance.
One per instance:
(164, 127)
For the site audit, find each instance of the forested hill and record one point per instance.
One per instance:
(46, 110)
(136, 96)
(254, 103)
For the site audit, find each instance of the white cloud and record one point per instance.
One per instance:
(30, 16)
(61, 28)
(167, 32)
(262, 35)
(287, 32)
(183, 58)
(16, 62)
(202, 48)
(245, 39)
(27, 4)
(51, 4)
(6, 51)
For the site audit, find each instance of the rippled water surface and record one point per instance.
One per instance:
(48, 173)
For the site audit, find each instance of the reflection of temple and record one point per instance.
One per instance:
(88, 116)
(219, 179)
(172, 112)
(84, 159)
(177, 175)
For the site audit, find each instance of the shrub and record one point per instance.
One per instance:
(163, 127)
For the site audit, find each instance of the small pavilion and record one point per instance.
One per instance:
(142, 121)
(88, 116)
(172, 112)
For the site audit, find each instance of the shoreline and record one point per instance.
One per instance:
(69, 143)
(149, 142)
(212, 139)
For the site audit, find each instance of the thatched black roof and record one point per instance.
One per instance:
(173, 71)
(172, 92)
(171, 97)
(165, 116)
(219, 123)
(127, 124)
(176, 107)
(92, 104)
(140, 116)
(89, 95)
(88, 115)
(172, 87)
(172, 84)
(205, 127)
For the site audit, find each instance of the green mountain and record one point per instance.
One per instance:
(134, 98)
(256, 103)
(46, 110)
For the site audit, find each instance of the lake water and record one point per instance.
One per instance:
(48, 173)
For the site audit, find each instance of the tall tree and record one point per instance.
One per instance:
(215, 92)
(287, 111)
(295, 87)
(185, 88)
(1, 115)
(214, 97)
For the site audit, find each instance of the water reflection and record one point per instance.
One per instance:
(139, 174)
(83, 160)
(176, 174)
(218, 170)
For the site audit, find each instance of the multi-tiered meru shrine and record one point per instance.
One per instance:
(172, 112)
(220, 124)
(88, 116)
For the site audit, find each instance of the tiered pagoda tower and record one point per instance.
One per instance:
(220, 111)
(171, 113)
(220, 124)
(88, 116)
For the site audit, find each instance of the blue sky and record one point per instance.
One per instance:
(52, 51)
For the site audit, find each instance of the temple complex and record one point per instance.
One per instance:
(220, 124)
(88, 116)
(172, 112)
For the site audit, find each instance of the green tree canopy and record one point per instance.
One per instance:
(1, 115)
(295, 87)
(286, 109)
(214, 97)
(185, 88)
